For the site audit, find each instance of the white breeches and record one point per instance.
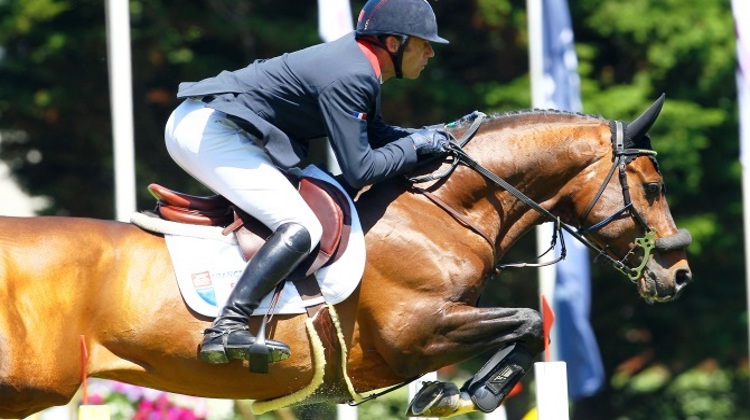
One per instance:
(222, 156)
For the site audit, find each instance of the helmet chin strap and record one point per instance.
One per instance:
(398, 57)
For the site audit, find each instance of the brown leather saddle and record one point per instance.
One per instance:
(328, 203)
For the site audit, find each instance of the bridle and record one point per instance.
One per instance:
(622, 156)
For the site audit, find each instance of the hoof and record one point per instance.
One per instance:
(439, 399)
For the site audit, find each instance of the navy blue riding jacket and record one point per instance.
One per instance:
(328, 89)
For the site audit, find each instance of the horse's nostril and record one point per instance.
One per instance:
(682, 278)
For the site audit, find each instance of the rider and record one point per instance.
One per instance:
(240, 131)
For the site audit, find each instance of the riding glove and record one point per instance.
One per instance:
(430, 141)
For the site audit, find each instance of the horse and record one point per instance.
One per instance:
(431, 245)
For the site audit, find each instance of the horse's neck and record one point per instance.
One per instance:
(543, 152)
(547, 161)
(544, 160)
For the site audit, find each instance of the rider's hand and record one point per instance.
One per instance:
(429, 141)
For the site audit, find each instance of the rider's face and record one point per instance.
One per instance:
(416, 54)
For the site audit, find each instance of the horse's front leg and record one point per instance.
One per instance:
(431, 337)
(463, 332)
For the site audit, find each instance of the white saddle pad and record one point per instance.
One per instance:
(207, 265)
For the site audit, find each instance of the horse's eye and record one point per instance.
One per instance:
(653, 188)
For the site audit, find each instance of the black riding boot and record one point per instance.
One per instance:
(229, 337)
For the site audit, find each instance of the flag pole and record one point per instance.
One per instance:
(543, 233)
(536, 51)
(334, 21)
(741, 11)
(551, 382)
(121, 102)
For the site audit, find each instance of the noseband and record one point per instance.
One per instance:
(622, 156)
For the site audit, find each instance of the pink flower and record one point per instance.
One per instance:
(95, 399)
(144, 411)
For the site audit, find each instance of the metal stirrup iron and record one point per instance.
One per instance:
(258, 354)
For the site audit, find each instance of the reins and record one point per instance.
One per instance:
(621, 157)
(434, 176)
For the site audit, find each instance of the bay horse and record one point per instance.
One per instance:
(430, 250)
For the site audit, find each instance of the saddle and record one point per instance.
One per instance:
(328, 203)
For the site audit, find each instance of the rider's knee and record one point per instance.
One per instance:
(312, 229)
(296, 236)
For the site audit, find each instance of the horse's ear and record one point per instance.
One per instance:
(638, 129)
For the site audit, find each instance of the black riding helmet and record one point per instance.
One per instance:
(400, 18)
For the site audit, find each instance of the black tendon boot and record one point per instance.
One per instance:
(229, 337)
(489, 387)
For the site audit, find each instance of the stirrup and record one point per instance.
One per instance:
(277, 351)
(259, 355)
(215, 348)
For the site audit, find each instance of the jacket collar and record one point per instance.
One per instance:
(369, 52)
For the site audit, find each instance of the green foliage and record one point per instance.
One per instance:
(56, 136)
(702, 392)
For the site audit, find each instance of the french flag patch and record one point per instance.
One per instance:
(359, 115)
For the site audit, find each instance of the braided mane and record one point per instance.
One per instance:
(531, 116)
(528, 117)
